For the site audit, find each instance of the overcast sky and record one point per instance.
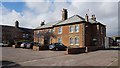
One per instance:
(30, 13)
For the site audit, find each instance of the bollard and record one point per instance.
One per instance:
(86, 49)
(13, 46)
(66, 52)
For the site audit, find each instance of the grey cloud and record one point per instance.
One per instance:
(105, 12)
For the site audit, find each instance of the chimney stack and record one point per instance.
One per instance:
(64, 14)
(93, 17)
(17, 24)
(86, 18)
(42, 23)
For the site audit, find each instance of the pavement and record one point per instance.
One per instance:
(27, 57)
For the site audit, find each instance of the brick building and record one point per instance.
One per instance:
(15, 33)
(75, 31)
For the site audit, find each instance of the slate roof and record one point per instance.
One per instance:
(19, 28)
(92, 21)
(73, 19)
(47, 25)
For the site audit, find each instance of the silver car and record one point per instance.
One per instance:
(1, 44)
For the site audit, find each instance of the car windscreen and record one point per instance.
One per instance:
(58, 44)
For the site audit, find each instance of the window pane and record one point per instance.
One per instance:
(71, 40)
(76, 40)
(71, 28)
(38, 32)
(60, 30)
(76, 28)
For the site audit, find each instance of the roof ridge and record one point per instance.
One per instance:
(77, 16)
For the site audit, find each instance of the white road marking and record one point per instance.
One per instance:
(28, 61)
(112, 62)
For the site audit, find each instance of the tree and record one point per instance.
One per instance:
(45, 36)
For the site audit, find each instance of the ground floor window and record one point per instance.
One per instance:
(76, 41)
(71, 41)
(59, 40)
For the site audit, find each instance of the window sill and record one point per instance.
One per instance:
(76, 44)
(59, 33)
(77, 31)
(71, 32)
(71, 44)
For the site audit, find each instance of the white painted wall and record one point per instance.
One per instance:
(107, 42)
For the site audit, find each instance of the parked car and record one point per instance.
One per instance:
(30, 45)
(18, 44)
(1, 45)
(24, 45)
(41, 46)
(57, 46)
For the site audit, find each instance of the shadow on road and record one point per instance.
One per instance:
(112, 49)
(9, 64)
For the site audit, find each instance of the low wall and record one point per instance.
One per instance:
(82, 50)
(75, 50)
(44, 48)
(36, 48)
(16, 46)
(92, 48)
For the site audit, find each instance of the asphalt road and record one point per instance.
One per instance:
(27, 57)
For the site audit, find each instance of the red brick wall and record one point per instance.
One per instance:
(11, 34)
(91, 31)
(66, 35)
(99, 32)
(88, 34)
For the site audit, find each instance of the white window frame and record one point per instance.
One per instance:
(76, 43)
(60, 30)
(71, 41)
(71, 28)
(77, 30)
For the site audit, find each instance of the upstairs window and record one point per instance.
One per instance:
(71, 29)
(76, 28)
(97, 27)
(59, 30)
(38, 32)
(101, 30)
(25, 36)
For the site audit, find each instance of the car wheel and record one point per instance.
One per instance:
(56, 49)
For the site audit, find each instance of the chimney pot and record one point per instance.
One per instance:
(93, 17)
(42, 23)
(64, 14)
(86, 17)
(17, 24)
